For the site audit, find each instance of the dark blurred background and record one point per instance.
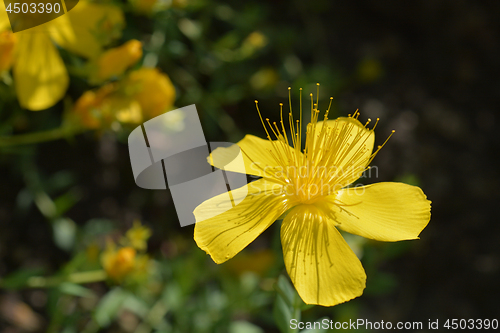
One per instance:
(428, 69)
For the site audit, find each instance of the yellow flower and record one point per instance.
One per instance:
(128, 262)
(40, 77)
(256, 40)
(7, 43)
(138, 236)
(144, 94)
(115, 61)
(118, 263)
(152, 89)
(92, 108)
(311, 186)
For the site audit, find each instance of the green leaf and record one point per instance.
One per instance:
(75, 290)
(108, 307)
(285, 289)
(305, 306)
(97, 227)
(18, 280)
(172, 295)
(284, 310)
(136, 305)
(241, 326)
(282, 313)
(64, 202)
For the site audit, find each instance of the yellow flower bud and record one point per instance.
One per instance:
(7, 43)
(254, 42)
(142, 95)
(115, 61)
(125, 110)
(256, 39)
(118, 264)
(137, 236)
(90, 107)
(152, 89)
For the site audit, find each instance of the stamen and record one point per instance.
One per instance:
(260, 116)
(317, 94)
(328, 110)
(272, 129)
(380, 147)
(312, 104)
(283, 124)
(300, 101)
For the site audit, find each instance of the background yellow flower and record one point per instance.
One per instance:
(7, 43)
(40, 76)
(115, 61)
(118, 263)
(141, 95)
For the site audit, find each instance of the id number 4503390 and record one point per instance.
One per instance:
(33, 8)
(479, 324)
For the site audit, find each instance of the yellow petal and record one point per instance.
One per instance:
(93, 109)
(118, 264)
(152, 89)
(224, 235)
(40, 76)
(7, 45)
(115, 61)
(322, 267)
(348, 147)
(125, 110)
(257, 157)
(383, 211)
(87, 27)
(138, 236)
(4, 19)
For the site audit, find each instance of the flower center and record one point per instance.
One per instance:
(331, 155)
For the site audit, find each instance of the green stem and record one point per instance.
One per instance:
(282, 294)
(297, 311)
(37, 137)
(153, 317)
(79, 278)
